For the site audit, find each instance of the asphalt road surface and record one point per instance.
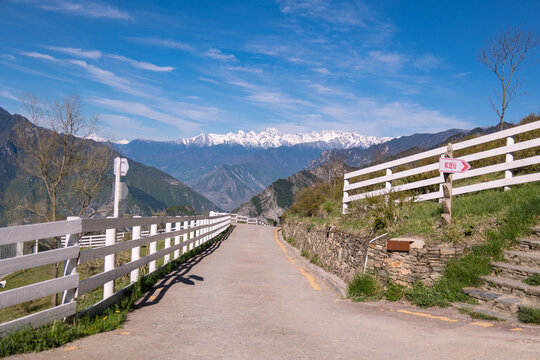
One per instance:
(249, 297)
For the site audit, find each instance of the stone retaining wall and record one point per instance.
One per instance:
(343, 254)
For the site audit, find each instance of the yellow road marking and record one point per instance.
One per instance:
(279, 243)
(429, 316)
(152, 298)
(125, 332)
(71, 348)
(310, 278)
(482, 324)
(516, 329)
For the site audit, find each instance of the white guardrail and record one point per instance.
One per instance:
(248, 220)
(507, 166)
(188, 233)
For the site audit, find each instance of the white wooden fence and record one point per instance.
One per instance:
(189, 233)
(247, 220)
(90, 241)
(507, 166)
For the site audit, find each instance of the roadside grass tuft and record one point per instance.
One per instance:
(315, 260)
(478, 315)
(59, 333)
(305, 254)
(364, 287)
(291, 240)
(394, 292)
(533, 280)
(529, 315)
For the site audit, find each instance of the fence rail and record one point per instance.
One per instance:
(248, 220)
(188, 233)
(509, 179)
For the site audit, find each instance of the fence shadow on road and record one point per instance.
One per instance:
(179, 275)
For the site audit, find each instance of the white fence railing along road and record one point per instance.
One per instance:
(510, 164)
(187, 232)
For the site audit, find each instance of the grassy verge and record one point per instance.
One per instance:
(521, 210)
(533, 280)
(477, 315)
(364, 287)
(529, 315)
(59, 333)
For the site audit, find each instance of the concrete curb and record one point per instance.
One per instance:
(333, 281)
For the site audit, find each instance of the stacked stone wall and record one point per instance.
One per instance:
(343, 254)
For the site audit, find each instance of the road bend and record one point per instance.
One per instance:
(249, 297)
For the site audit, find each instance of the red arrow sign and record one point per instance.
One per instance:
(447, 165)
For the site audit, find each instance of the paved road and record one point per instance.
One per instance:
(250, 298)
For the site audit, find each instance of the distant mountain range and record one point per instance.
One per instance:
(272, 138)
(279, 196)
(229, 169)
(150, 190)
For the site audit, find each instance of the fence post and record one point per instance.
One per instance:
(345, 197)
(197, 232)
(110, 239)
(70, 267)
(388, 184)
(509, 158)
(447, 190)
(177, 240)
(136, 251)
(185, 237)
(168, 229)
(153, 248)
(191, 234)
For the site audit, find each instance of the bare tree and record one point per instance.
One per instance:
(505, 55)
(54, 151)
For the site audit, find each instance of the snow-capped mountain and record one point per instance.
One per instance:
(98, 138)
(272, 138)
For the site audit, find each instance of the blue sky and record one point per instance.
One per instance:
(170, 69)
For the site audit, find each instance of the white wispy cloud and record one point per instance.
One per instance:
(324, 89)
(167, 43)
(126, 122)
(244, 69)
(217, 54)
(389, 118)
(109, 78)
(37, 55)
(427, 62)
(276, 99)
(7, 57)
(89, 9)
(142, 64)
(8, 95)
(344, 13)
(96, 54)
(143, 110)
(208, 80)
(391, 61)
(88, 54)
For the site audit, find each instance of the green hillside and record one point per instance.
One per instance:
(150, 190)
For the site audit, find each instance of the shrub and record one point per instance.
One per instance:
(364, 287)
(308, 200)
